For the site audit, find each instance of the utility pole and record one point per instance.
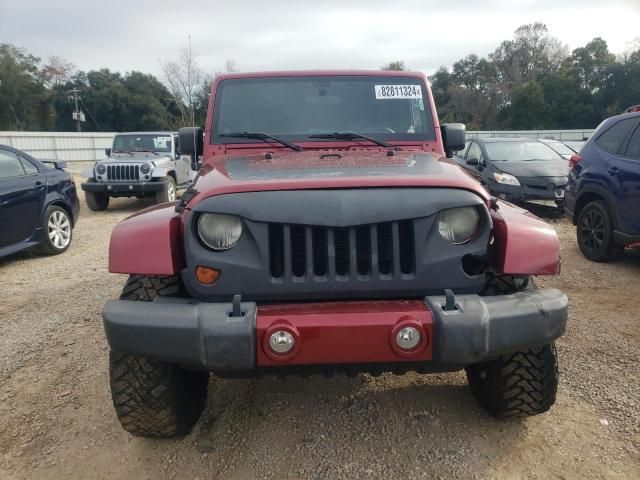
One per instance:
(77, 115)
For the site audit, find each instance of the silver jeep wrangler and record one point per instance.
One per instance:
(140, 164)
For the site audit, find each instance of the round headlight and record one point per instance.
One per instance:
(145, 168)
(219, 232)
(458, 224)
(101, 169)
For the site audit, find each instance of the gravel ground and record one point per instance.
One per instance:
(56, 419)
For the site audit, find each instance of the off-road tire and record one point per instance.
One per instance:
(152, 398)
(96, 201)
(518, 384)
(600, 248)
(168, 193)
(497, 284)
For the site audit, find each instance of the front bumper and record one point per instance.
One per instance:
(528, 194)
(123, 188)
(207, 335)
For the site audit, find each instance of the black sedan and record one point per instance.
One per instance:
(38, 204)
(517, 169)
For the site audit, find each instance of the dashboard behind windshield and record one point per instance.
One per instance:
(141, 143)
(295, 108)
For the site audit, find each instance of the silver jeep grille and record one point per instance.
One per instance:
(123, 172)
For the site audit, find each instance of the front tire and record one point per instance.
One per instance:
(595, 233)
(97, 201)
(516, 385)
(57, 229)
(168, 193)
(153, 398)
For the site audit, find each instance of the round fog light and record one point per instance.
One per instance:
(281, 342)
(408, 338)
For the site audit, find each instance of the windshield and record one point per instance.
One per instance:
(296, 108)
(561, 148)
(141, 143)
(520, 151)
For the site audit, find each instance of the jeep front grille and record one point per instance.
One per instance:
(123, 172)
(380, 250)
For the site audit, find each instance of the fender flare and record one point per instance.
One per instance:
(601, 192)
(148, 243)
(161, 172)
(523, 244)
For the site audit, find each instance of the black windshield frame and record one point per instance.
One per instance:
(427, 135)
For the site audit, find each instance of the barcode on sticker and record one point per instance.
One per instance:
(398, 91)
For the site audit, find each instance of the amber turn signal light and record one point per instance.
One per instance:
(207, 275)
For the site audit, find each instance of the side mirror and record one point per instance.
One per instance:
(191, 140)
(473, 161)
(107, 152)
(177, 155)
(453, 137)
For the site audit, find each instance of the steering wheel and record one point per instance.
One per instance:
(376, 129)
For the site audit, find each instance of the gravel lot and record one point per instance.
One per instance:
(57, 421)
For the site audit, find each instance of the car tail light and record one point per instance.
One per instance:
(635, 108)
(574, 160)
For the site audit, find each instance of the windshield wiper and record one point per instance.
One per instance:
(351, 136)
(265, 137)
(146, 150)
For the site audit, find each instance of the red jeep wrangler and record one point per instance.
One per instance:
(328, 230)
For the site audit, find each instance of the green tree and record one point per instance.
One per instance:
(397, 65)
(591, 64)
(25, 103)
(527, 110)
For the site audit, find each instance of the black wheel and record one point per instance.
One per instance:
(595, 233)
(152, 398)
(518, 384)
(96, 201)
(168, 193)
(58, 230)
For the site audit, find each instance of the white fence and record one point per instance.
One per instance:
(68, 146)
(575, 135)
(72, 147)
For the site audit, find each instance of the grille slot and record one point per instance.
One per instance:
(123, 172)
(298, 251)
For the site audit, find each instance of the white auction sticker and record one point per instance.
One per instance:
(398, 91)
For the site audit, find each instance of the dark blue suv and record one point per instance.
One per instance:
(602, 197)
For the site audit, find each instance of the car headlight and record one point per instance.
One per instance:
(145, 168)
(458, 224)
(506, 179)
(219, 232)
(101, 169)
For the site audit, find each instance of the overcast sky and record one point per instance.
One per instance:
(299, 34)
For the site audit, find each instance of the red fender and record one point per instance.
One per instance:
(148, 243)
(523, 244)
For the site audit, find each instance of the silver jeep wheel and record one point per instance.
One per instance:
(59, 229)
(171, 192)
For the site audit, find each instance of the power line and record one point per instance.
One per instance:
(90, 114)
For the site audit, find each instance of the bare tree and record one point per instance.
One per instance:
(184, 78)
(229, 67)
(56, 71)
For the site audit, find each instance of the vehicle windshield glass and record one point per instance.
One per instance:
(561, 148)
(141, 143)
(296, 108)
(519, 151)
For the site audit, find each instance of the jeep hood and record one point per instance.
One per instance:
(321, 169)
(534, 168)
(137, 157)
